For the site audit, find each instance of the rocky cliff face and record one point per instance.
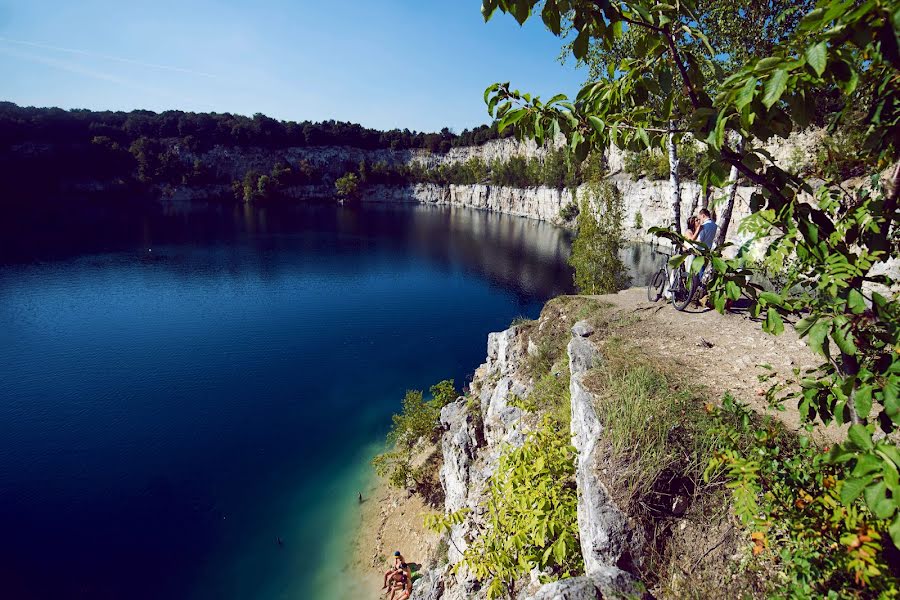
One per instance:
(643, 197)
(476, 429)
(646, 202)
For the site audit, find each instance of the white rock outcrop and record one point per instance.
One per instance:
(607, 539)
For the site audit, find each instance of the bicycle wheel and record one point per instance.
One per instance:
(656, 286)
(683, 289)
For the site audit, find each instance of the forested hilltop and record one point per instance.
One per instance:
(47, 146)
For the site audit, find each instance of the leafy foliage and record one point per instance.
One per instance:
(805, 516)
(595, 252)
(654, 163)
(840, 243)
(531, 519)
(568, 212)
(419, 420)
(348, 186)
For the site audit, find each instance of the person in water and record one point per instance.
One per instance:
(397, 567)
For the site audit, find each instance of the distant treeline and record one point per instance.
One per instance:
(555, 168)
(20, 124)
(45, 151)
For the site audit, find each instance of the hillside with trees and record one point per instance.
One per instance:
(43, 148)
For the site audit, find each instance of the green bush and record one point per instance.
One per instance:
(638, 220)
(652, 164)
(348, 186)
(419, 419)
(531, 518)
(568, 212)
(595, 252)
(806, 518)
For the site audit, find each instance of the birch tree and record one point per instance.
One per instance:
(728, 207)
(674, 178)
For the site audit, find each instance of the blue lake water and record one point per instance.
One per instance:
(180, 391)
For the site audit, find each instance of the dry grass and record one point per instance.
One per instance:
(658, 442)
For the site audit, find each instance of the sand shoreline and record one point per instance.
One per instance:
(389, 519)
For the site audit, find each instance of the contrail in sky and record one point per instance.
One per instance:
(109, 57)
(88, 72)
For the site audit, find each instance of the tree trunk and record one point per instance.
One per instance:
(674, 179)
(707, 194)
(725, 217)
(694, 200)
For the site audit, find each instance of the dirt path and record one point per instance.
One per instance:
(722, 351)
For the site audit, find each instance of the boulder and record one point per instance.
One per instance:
(430, 586)
(582, 329)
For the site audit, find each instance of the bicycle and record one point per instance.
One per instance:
(657, 284)
(682, 286)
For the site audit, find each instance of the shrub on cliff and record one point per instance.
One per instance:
(348, 186)
(419, 420)
(595, 252)
(531, 520)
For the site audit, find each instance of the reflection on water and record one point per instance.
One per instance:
(177, 390)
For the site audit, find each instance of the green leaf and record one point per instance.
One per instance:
(817, 336)
(510, 118)
(596, 123)
(771, 298)
(676, 261)
(774, 87)
(769, 63)
(843, 337)
(860, 436)
(878, 502)
(894, 530)
(866, 464)
(580, 45)
(773, 323)
(720, 130)
(862, 400)
(856, 303)
(803, 325)
(817, 58)
(732, 290)
(852, 488)
(556, 98)
(746, 93)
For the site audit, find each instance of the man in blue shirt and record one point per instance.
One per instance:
(707, 233)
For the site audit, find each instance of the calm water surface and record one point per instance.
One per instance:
(178, 391)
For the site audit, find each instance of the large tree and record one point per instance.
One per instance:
(839, 246)
(736, 32)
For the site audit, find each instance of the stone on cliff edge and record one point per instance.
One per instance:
(582, 329)
(582, 356)
(502, 351)
(500, 419)
(604, 532)
(574, 588)
(458, 448)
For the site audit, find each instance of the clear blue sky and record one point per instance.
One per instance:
(421, 64)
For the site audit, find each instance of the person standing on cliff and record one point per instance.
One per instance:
(707, 232)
